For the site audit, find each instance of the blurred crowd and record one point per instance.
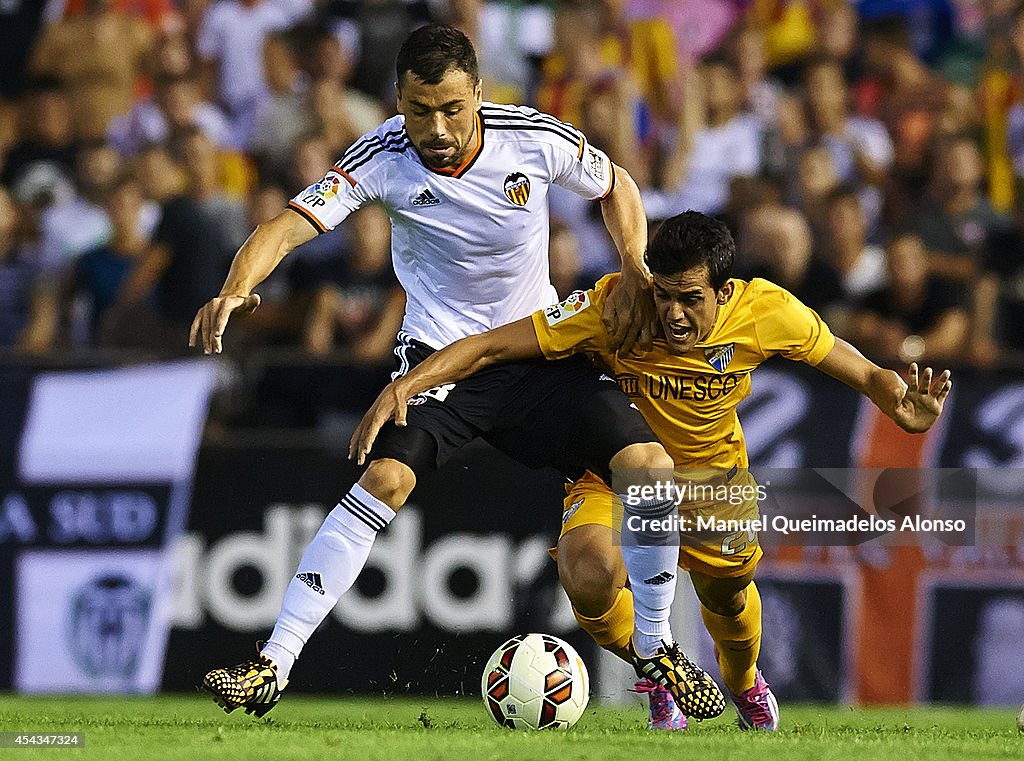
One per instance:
(868, 156)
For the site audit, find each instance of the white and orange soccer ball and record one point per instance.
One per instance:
(535, 681)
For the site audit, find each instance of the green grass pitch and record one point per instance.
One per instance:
(429, 729)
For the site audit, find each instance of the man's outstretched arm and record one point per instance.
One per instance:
(912, 405)
(628, 313)
(515, 341)
(269, 243)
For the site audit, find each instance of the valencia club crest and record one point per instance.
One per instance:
(517, 188)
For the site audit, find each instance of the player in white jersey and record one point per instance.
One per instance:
(465, 184)
(484, 222)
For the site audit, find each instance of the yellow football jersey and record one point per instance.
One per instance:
(690, 400)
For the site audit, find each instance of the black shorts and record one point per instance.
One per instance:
(564, 414)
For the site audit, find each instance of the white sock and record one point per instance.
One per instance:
(651, 556)
(329, 566)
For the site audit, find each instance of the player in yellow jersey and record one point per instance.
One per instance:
(714, 331)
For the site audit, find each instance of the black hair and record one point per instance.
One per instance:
(689, 240)
(432, 51)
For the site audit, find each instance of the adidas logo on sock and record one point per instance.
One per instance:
(311, 580)
(662, 578)
(426, 198)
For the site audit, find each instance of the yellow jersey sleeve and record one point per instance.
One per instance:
(785, 325)
(574, 326)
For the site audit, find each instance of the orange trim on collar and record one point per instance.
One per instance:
(464, 167)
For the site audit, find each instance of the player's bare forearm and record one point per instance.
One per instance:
(629, 312)
(913, 405)
(624, 216)
(515, 341)
(268, 244)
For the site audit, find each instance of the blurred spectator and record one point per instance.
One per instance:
(341, 115)
(716, 142)
(998, 298)
(731, 108)
(916, 315)
(27, 306)
(579, 66)
(815, 180)
(207, 188)
(375, 29)
(158, 13)
(747, 196)
(47, 133)
(185, 262)
(960, 114)
(284, 114)
(333, 65)
(860, 148)
(175, 107)
(8, 129)
(509, 40)
(265, 203)
(98, 56)
(697, 26)
(954, 220)
(909, 99)
(310, 154)
(789, 28)
(102, 274)
(1002, 93)
(760, 94)
(76, 220)
(789, 263)
(230, 45)
(644, 45)
(20, 24)
(837, 38)
(861, 265)
(173, 56)
(929, 23)
(356, 301)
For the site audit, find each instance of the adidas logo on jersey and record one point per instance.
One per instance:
(311, 580)
(662, 578)
(426, 198)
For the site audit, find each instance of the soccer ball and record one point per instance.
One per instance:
(535, 681)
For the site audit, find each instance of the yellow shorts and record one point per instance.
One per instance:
(720, 554)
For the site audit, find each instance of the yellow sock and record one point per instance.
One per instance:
(613, 628)
(739, 641)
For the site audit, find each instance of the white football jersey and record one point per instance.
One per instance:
(470, 244)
